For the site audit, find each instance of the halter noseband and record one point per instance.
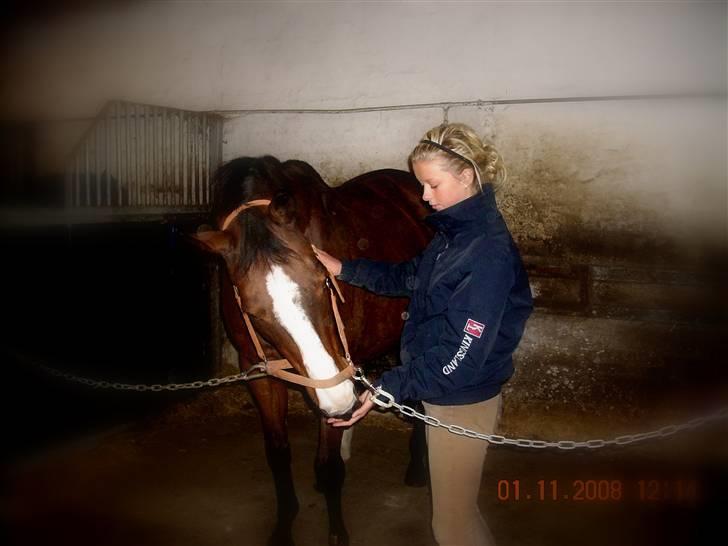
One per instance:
(277, 367)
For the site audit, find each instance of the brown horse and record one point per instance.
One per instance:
(283, 288)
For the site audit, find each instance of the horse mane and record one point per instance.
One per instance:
(244, 179)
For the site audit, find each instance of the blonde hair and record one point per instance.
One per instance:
(459, 147)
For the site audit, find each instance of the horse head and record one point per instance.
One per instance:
(261, 219)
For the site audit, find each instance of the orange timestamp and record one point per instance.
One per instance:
(647, 490)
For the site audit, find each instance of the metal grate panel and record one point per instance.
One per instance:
(137, 157)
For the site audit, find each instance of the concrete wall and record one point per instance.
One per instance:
(227, 55)
(593, 186)
(582, 175)
(601, 161)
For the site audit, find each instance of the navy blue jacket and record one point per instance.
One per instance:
(469, 301)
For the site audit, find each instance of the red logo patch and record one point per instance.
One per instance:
(474, 328)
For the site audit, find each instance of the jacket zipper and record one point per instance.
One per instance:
(447, 244)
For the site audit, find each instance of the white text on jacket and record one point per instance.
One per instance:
(447, 369)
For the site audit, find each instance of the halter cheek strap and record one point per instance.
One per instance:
(278, 367)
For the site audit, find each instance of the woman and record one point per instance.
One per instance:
(469, 301)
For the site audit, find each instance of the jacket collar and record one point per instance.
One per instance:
(476, 212)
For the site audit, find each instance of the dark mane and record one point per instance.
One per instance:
(244, 179)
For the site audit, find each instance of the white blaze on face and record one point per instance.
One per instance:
(290, 314)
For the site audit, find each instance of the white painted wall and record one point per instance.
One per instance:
(644, 168)
(228, 55)
(595, 182)
(655, 170)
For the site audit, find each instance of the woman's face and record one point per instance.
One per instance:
(440, 188)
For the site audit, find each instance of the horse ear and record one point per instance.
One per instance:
(217, 242)
(282, 208)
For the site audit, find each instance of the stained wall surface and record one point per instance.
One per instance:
(619, 205)
(664, 158)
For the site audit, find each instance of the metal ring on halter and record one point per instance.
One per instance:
(260, 367)
(359, 376)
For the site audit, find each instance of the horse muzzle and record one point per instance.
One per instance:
(346, 415)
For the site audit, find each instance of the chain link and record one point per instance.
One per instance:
(377, 393)
(248, 375)
(386, 401)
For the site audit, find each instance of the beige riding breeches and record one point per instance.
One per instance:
(456, 467)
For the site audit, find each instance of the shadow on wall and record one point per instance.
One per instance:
(631, 314)
(560, 206)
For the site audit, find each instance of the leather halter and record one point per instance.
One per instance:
(278, 367)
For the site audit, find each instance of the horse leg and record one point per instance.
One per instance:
(330, 472)
(271, 397)
(417, 469)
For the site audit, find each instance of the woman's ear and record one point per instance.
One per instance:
(466, 176)
(282, 208)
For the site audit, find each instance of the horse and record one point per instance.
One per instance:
(276, 293)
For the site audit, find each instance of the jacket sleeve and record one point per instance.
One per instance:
(383, 278)
(467, 333)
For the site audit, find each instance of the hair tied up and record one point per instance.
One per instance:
(460, 147)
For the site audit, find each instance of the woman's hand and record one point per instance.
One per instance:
(330, 263)
(366, 406)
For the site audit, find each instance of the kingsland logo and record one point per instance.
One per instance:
(447, 369)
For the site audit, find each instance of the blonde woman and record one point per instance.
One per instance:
(469, 302)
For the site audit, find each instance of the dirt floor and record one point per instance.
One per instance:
(196, 475)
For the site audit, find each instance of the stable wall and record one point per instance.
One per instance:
(619, 208)
(583, 176)
(227, 55)
(618, 205)
(320, 55)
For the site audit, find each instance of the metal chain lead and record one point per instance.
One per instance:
(214, 382)
(377, 393)
(388, 402)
